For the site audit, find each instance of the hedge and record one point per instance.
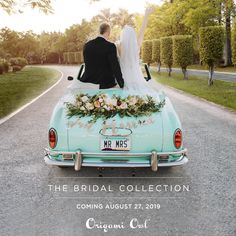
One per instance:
(156, 52)
(52, 57)
(72, 57)
(211, 47)
(166, 52)
(183, 52)
(234, 44)
(18, 62)
(1, 68)
(4, 66)
(147, 52)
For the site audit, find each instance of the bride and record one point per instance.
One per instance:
(128, 52)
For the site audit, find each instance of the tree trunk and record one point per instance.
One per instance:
(169, 71)
(228, 52)
(184, 70)
(158, 67)
(220, 13)
(211, 72)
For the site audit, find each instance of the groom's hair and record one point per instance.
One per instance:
(104, 27)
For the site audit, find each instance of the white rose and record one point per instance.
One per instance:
(79, 104)
(107, 108)
(114, 102)
(123, 105)
(84, 99)
(132, 101)
(89, 106)
(100, 100)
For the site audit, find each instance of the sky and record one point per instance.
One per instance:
(67, 13)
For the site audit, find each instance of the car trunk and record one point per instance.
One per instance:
(143, 134)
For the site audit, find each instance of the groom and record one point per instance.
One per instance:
(101, 62)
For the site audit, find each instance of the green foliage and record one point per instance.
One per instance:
(78, 57)
(131, 106)
(234, 44)
(182, 50)
(16, 68)
(1, 68)
(72, 57)
(18, 62)
(5, 67)
(166, 50)
(13, 6)
(147, 51)
(52, 57)
(211, 44)
(156, 50)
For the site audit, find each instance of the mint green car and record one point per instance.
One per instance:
(120, 141)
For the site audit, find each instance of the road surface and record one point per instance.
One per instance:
(28, 207)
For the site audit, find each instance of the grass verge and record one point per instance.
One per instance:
(231, 69)
(222, 93)
(16, 89)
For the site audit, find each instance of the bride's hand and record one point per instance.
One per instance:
(149, 11)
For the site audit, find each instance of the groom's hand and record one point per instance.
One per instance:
(121, 83)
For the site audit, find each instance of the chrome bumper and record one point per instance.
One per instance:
(78, 162)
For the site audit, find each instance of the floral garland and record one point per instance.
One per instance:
(103, 106)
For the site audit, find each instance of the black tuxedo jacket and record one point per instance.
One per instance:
(101, 64)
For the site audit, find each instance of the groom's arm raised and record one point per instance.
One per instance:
(115, 66)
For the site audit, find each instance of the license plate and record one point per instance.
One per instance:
(115, 144)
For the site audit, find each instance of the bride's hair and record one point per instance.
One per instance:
(129, 45)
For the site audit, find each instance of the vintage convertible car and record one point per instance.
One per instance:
(113, 128)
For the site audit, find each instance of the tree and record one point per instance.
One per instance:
(234, 44)
(147, 52)
(123, 18)
(227, 8)
(13, 6)
(166, 52)
(105, 15)
(183, 52)
(9, 40)
(156, 53)
(211, 47)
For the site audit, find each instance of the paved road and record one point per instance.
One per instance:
(27, 207)
(225, 76)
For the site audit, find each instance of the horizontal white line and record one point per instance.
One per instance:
(116, 197)
(114, 177)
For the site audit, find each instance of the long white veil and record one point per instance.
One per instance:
(129, 62)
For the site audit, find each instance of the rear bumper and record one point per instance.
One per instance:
(153, 160)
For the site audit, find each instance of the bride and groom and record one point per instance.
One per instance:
(107, 63)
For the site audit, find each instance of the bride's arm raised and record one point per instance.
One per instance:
(144, 25)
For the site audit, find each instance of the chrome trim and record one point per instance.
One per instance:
(114, 153)
(78, 162)
(49, 161)
(116, 135)
(154, 161)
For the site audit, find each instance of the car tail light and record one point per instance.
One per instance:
(52, 137)
(178, 138)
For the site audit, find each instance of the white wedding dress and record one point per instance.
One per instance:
(129, 62)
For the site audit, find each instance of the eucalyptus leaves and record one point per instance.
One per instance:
(103, 106)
